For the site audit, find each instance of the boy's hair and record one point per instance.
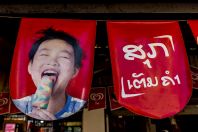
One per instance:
(49, 34)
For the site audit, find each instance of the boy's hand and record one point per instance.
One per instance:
(42, 114)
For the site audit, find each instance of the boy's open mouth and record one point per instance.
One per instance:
(51, 74)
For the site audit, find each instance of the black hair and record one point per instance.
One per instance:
(49, 34)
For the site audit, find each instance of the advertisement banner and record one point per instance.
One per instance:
(52, 66)
(194, 28)
(194, 57)
(97, 98)
(194, 71)
(4, 103)
(13, 108)
(150, 67)
(114, 105)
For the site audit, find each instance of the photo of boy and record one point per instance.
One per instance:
(54, 60)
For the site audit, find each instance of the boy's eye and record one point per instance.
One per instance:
(43, 54)
(64, 57)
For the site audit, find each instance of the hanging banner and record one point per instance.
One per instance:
(194, 71)
(114, 105)
(194, 28)
(13, 108)
(97, 98)
(194, 58)
(4, 103)
(52, 66)
(150, 67)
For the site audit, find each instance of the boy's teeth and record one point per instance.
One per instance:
(49, 73)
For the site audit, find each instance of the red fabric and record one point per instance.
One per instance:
(13, 108)
(194, 28)
(83, 30)
(4, 103)
(135, 66)
(97, 98)
(114, 105)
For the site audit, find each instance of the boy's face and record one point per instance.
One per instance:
(54, 59)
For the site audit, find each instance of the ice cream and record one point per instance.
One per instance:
(43, 93)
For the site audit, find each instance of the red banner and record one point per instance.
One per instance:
(52, 66)
(114, 105)
(194, 58)
(4, 103)
(194, 28)
(150, 67)
(97, 98)
(13, 108)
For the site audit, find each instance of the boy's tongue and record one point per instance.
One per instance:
(50, 76)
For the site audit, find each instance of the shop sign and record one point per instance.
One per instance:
(97, 98)
(114, 105)
(4, 102)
